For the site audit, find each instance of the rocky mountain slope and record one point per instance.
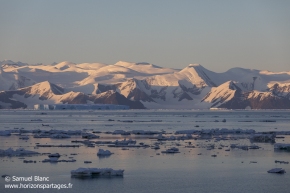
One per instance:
(141, 85)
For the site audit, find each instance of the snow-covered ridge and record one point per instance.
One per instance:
(155, 87)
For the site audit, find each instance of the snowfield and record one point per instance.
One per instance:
(141, 85)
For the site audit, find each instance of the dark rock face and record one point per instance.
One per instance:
(242, 100)
(108, 97)
(138, 95)
(6, 97)
(236, 89)
(116, 98)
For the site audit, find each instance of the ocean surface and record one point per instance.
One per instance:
(146, 169)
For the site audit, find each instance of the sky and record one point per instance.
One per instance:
(218, 34)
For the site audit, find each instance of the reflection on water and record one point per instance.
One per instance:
(194, 169)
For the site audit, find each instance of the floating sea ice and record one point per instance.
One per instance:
(17, 152)
(277, 170)
(282, 146)
(29, 161)
(125, 142)
(155, 147)
(263, 137)
(89, 172)
(24, 137)
(89, 136)
(121, 132)
(171, 150)
(51, 159)
(281, 162)
(161, 137)
(187, 131)
(142, 132)
(54, 155)
(5, 133)
(55, 160)
(59, 136)
(102, 152)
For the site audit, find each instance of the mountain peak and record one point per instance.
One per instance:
(64, 65)
(45, 87)
(194, 65)
(10, 63)
(130, 64)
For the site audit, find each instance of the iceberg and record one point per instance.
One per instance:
(102, 152)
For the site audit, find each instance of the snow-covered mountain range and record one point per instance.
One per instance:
(141, 85)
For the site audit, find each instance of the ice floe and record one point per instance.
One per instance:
(5, 133)
(47, 145)
(56, 160)
(216, 131)
(121, 132)
(281, 162)
(54, 155)
(277, 170)
(90, 172)
(102, 152)
(143, 132)
(24, 137)
(171, 150)
(17, 152)
(89, 136)
(263, 137)
(282, 146)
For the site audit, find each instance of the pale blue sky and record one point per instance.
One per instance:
(218, 34)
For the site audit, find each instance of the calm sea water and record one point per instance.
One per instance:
(191, 170)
